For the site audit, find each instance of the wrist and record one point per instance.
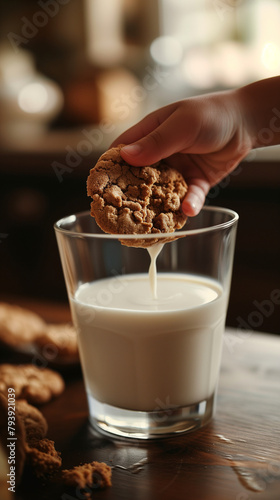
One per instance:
(248, 117)
(259, 104)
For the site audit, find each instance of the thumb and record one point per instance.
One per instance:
(161, 142)
(148, 150)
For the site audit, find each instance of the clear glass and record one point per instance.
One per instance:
(150, 365)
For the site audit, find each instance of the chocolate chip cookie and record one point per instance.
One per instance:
(135, 200)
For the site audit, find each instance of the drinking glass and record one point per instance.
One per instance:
(150, 351)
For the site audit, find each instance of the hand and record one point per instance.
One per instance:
(204, 137)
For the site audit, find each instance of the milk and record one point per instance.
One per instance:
(140, 350)
(154, 252)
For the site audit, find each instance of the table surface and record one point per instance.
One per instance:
(235, 457)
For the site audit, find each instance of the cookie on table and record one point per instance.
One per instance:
(34, 422)
(36, 385)
(91, 475)
(43, 458)
(40, 452)
(58, 343)
(136, 200)
(19, 326)
(34, 450)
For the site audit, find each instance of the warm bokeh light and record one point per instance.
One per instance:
(270, 56)
(33, 98)
(166, 51)
(197, 69)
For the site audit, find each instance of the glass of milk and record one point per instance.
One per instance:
(149, 323)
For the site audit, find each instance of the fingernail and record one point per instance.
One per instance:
(132, 149)
(191, 205)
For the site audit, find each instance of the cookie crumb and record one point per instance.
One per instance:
(43, 458)
(94, 475)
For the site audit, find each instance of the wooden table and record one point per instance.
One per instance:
(235, 457)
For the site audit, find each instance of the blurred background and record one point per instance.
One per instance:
(76, 73)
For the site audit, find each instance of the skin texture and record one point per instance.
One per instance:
(205, 137)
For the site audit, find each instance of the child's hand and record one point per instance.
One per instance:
(204, 137)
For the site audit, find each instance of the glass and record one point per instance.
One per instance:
(150, 365)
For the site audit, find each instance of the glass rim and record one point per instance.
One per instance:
(72, 218)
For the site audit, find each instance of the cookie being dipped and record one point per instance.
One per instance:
(136, 200)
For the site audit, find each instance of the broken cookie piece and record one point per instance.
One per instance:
(32, 449)
(135, 200)
(33, 420)
(88, 476)
(43, 458)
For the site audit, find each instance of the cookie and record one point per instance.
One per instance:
(33, 420)
(16, 451)
(135, 200)
(58, 343)
(40, 452)
(88, 476)
(43, 458)
(24, 330)
(36, 385)
(19, 326)
(33, 449)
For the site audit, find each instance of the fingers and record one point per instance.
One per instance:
(169, 133)
(195, 197)
(145, 126)
(159, 136)
(161, 143)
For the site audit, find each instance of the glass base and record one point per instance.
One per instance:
(164, 422)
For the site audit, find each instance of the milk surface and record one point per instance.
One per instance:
(144, 353)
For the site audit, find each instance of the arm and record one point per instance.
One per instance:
(260, 105)
(206, 137)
